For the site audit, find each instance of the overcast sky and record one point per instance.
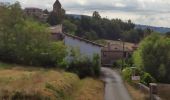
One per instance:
(148, 12)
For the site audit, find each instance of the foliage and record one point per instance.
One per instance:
(69, 27)
(25, 41)
(95, 27)
(146, 78)
(117, 64)
(84, 66)
(168, 34)
(127, 73)
(96, 15)
(153, 56)
(133, 36)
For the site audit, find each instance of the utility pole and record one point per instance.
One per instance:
(123, 52)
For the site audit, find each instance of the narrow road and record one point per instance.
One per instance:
(114, 87)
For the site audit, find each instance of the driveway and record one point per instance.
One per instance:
(114, 87)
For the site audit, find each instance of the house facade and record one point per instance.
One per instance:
(113, 52)
(36, 13)
(85, 47)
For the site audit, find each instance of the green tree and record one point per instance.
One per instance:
(26, 41)
(69, 27)
(168, 34)
(153, 56)
(96, 15)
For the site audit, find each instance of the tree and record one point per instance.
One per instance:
(96, 15)
(25, 41)
(69, 27)
(46, 11)
(153, 56)
(168, 34)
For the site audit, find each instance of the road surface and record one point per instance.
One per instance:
(114, 87)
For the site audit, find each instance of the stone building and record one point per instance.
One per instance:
(57, 8)
(36, 13)
(113, 52)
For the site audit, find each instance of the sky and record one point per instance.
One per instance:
(147, 12)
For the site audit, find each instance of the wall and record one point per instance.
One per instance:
(86, 49)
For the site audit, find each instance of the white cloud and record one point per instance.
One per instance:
(150, 12)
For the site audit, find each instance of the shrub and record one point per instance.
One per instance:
(127, 73)
(146, 78)
(117, 64)
(84, 66)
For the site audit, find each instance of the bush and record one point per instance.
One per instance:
(84, 67)
(146, 78)
(127, 73)
(117, 64)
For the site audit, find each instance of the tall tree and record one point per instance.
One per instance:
(96, 15)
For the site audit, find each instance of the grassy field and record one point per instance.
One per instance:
(18, 83)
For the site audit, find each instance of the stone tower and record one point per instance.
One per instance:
(57, 15)
(57, 6)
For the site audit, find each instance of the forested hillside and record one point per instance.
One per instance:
(96, 27)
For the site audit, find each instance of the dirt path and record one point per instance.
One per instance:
(114, 87)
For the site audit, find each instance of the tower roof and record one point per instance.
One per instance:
(57, 3)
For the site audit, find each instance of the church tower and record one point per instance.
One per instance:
(57, 6)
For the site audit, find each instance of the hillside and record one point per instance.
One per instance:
(18, 83)
(156, 29)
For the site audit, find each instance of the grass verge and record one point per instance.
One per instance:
(18, 83)
(135, 93)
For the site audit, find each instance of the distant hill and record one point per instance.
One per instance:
(76, 16)
(156, 29)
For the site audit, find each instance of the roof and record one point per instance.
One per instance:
(32, 8)
(84, 40)
(57, 3)
(115, 47)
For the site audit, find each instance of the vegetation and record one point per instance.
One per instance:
(83, 66)
(25, 41)
(146, 78)
(46, 84)
(95, 27)
(136, 93)
(153, 56)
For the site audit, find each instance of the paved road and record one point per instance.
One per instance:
(114, 87)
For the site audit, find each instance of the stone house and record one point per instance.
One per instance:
(36, 13)
(113, 52)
